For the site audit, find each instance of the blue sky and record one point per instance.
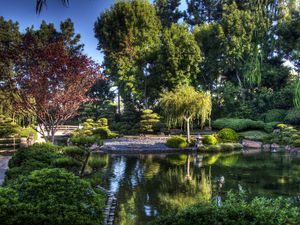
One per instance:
(82, 12)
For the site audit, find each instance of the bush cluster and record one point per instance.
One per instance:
(37, 192)
(92, 132)
(26, 132)
(209, 140)
(51, 196)
(243, 124)
(293, 117)
(286, 135)
(177, 142)
(7, 126)
(39, 156)
(274, 115)
(228, 135)
(236, 210)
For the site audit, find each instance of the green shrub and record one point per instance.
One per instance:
(26, 132)
(46, 146)
(254, 135)
(236, 210)
(209, 140)
(103, 132)
(86, 140)
(293, 116)
(274, 115)
(296, 143)
(51, 196)
(7, 127)
(67, 163)
(237, 124)
(243, 124)
(98, 161)
(269, 127)
(102, 122)
(176, 142)
(74, 152)
(149, 121)
(228, 135)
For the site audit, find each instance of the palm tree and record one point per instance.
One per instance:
(41, 3)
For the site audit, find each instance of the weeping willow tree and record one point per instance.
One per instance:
(185, 103)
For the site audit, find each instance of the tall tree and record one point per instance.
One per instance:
(202, 11)
(210, 38)
(179, 58)
(10, 38)
(168, 11)
(238, 27)
(129, 35)
(53, 82)
(185, 103)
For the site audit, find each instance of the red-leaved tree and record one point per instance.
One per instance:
(53, 81)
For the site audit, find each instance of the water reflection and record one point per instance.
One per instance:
(150, 185)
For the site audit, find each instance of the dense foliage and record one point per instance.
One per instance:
(228, 135)
(176, 142)
(243, 124)
(149, 121)
(41, 187)
(209, 140)
(59, 198)
(186, 104)
(236, 210)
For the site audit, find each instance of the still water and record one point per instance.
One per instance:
(150, 185)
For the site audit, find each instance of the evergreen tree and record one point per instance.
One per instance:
(168, 11)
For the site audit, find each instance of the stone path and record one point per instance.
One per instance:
(3, 167)
(111, 204)
(137, 145)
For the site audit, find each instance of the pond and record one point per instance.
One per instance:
(150, 185)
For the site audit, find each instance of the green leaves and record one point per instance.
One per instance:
(297, 95)
(184, 102)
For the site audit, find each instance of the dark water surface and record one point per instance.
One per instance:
(150, 185)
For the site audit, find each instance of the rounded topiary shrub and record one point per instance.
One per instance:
(228, 135)
(176, 142)
(209, 140)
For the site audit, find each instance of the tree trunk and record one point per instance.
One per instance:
(188, 176)
(188, 129)
(119, 102)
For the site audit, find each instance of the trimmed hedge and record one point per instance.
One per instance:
(209, 140)
(177, 142)
(243, 124)
(228, 135)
